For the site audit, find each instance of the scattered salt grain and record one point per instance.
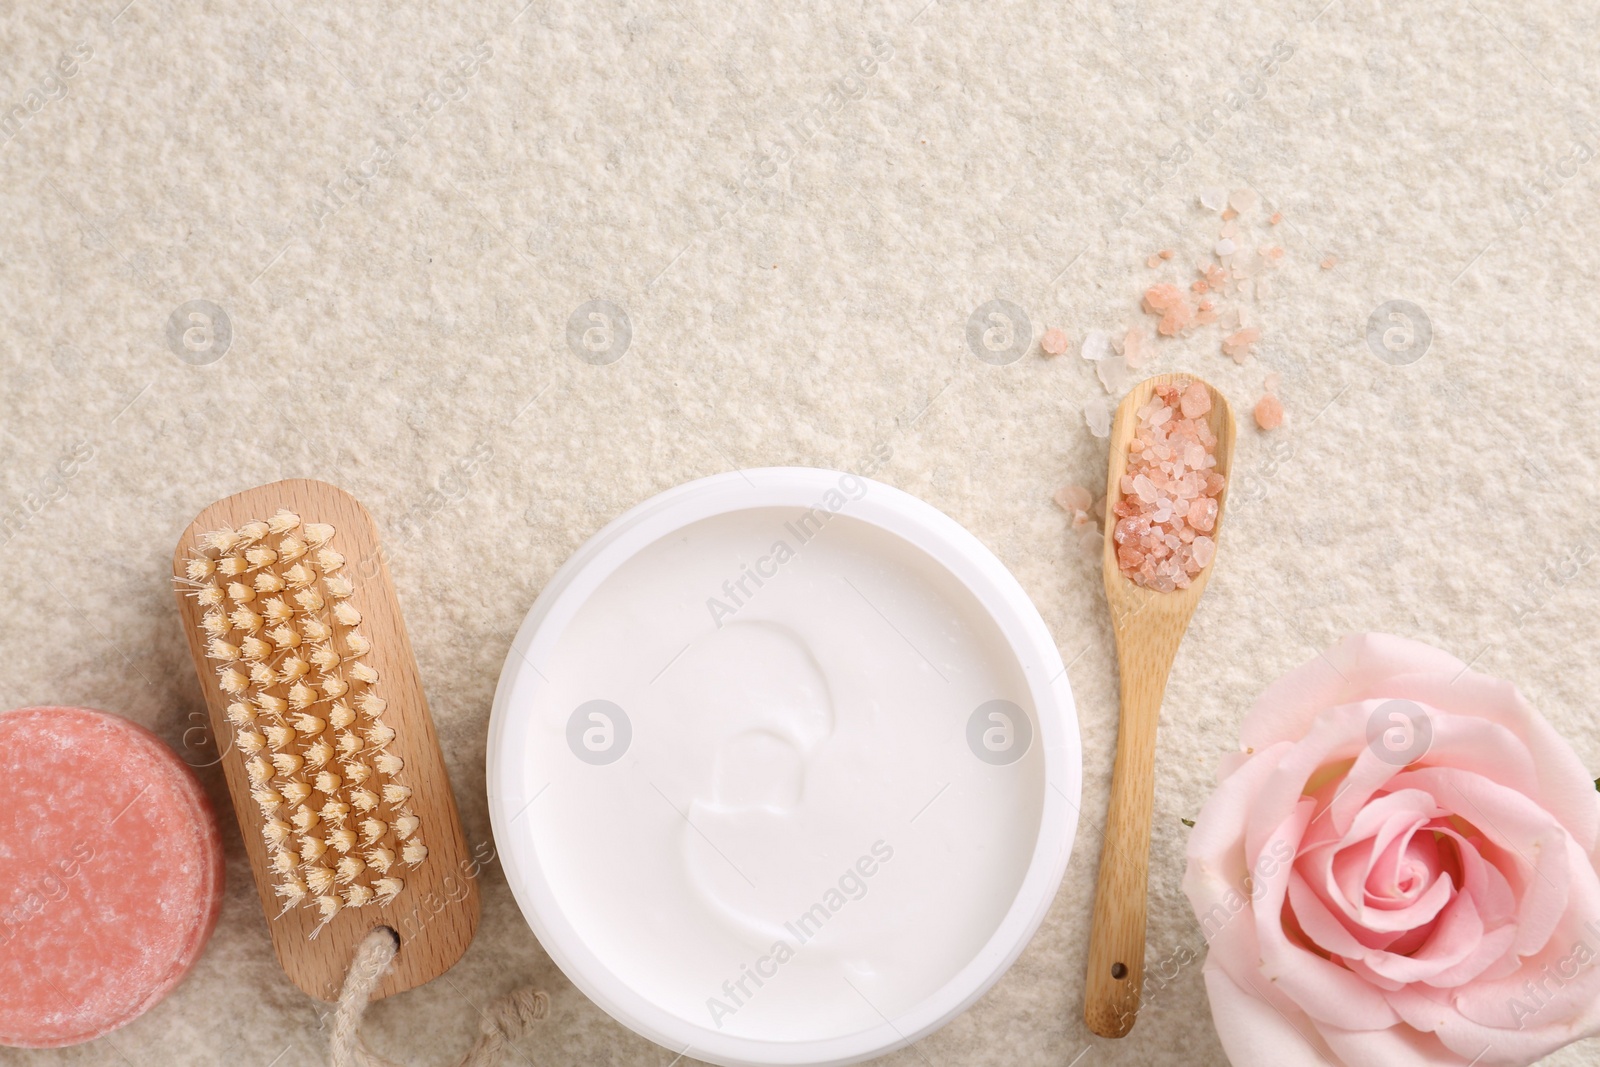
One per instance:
(1269, 412)
(1214, 197)
(1243, 200)
(1054, 342)
(1166, 253)
(1168, 301)
(1226, 247)
(1329, 263)
(1277, 217)
(1161, 297)
(1178, 318)
(1152, 261)
(1169, 491)
(1113, 372)
(1096, 345)
(1237, 345)
(1071, 498)
(1133, 347)
(1097, 416)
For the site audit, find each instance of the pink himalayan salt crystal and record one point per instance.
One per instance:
(1054, 342)
(1072, 498)
(1168, 506)
(1079, 503)
(1169, 302)
(1152, 261)
(1159, 298)
(1176, 319)
(1238, 344)
(1195, 401)
(1133, 347)
(1269, 412)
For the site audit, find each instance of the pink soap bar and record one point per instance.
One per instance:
(110, 874)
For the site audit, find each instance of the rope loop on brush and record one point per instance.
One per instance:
(506, 1020)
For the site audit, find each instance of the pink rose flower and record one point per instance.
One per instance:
(1399, 867)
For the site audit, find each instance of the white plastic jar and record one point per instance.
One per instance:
(784, 768)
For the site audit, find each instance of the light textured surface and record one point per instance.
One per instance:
(408, 340)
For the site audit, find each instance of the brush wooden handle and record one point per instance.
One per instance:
(436, 913)
(1148, 627)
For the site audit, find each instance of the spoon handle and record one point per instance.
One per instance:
(1116, 940)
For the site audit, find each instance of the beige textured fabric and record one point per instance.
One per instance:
(402, 209)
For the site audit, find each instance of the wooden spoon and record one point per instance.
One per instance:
(1148, 627)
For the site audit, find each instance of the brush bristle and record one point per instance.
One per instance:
(281, 603)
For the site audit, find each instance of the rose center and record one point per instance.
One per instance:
(1403, 871)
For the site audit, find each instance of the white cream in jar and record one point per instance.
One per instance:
(779, 776)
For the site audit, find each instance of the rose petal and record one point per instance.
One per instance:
(1494, 946)
(1357, 668)
(1457, 935)
(1385, 1048)
(1458, 741)
(1561, 981)
(1483, 880)
(1336, 735)
(1366, 776)
(1323, 989)
(1217, 865)
(1429, 1010)
(1256, 1033)
(1560, 785)
(1319, 923)
(1524, 829)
